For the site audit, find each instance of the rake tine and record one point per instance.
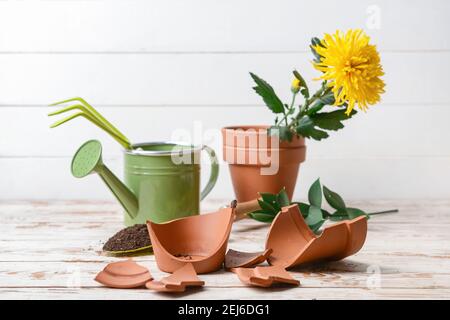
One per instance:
(125, 144)
(96, 114)
(76, 106)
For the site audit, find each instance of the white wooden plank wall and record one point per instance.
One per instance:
(162, 68)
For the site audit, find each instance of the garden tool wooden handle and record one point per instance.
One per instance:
(246, 207)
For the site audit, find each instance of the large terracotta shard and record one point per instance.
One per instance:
(178, 281)
(293, 243)
(236, 259)
(265, 276)
(124, 275)
(200, 240)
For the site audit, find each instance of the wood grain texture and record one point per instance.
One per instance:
(51, 250)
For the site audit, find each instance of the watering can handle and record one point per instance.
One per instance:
(214, 171)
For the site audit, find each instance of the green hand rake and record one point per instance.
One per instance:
(88, 112)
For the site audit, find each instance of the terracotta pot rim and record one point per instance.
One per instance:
(245, 127)
(243, 130)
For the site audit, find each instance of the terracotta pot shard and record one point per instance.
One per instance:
(276, 274)
(293, 243)
(201, 240)
(162, 287)
(178, 281)
(185, 276)
(124, 275)
(236, 259)
(265, 276)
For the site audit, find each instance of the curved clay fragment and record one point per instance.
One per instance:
(123, 275)
(239, 259)
(265, 276)
(201, 240)
(125, 268)
(162, 287)
(178, 281)
(293, 243)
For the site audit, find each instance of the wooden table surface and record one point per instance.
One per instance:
(51, 250)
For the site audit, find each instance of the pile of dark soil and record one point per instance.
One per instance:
(130, 238)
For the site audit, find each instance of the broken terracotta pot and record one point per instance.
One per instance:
(238, 259)
(178, 281)
(265, 276)
(201, 240)
(124, 275)
(293, 243)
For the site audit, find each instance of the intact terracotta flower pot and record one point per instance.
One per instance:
(261, 163)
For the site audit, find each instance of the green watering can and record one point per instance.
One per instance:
(162, 179)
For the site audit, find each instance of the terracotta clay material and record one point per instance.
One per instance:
(178, 281)
(201, 240)
(265, 276)
(293, 243)
(238, 259)
(124, 275)
(185, 276)
(248, 149)
(162, 287)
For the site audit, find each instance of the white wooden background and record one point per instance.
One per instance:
(160, 65)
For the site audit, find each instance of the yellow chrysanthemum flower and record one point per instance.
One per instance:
(352, 67)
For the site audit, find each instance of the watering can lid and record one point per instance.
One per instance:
(162, 148)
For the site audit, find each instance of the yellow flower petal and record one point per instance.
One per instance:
(352, 67)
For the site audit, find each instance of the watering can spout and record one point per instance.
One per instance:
(122, 193)
(88, 159)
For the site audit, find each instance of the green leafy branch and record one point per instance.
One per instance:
(313, 213)
(307, 119)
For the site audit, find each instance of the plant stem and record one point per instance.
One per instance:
(382, 212)
(323, 90)
(289, 110)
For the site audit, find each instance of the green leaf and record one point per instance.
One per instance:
(331, 120)
(304, 87)
(282, 198)
(325, 214)
(339, 215)
(261, 217)
(333, 199)
(284, 133)
(327, 99)
(355, 212)
(268, 94)
(315, 228)
(271, 199)
(314, 215)
(306, 129)
(304, 208)
(315, 194)
(267, 207)
(314, 42)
